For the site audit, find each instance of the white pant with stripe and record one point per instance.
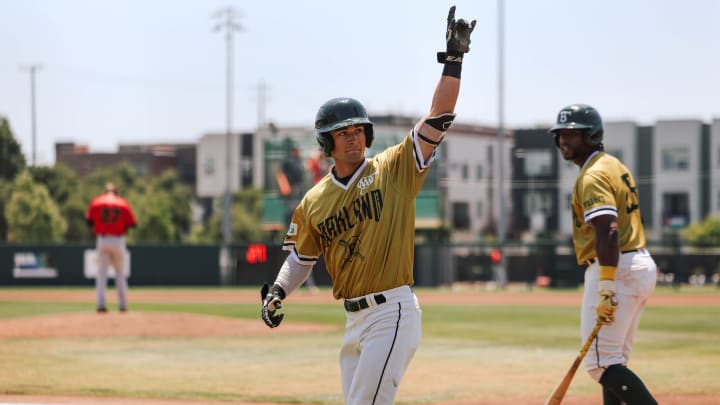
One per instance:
(634, 283)
(379, 343)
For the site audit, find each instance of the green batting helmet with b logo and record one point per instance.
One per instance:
(580, 116)
(340, 113)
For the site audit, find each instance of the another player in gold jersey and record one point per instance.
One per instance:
(609, 237)
(361, 219)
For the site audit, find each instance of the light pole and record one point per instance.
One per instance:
(228, 24)
(32, 69)
(501, 135)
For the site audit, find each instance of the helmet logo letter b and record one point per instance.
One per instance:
(564, 116)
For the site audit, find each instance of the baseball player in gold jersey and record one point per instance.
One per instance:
(609, 238)
(361, 219)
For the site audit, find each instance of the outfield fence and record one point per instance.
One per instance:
(436, 264)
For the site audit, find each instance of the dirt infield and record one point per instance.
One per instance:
(574, 400)
(91, 324)
(460, 294)
(141, 324)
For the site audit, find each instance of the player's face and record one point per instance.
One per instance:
(349, 145)
(572, 146)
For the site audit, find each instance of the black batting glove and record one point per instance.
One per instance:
(457, 39)
(271, 302)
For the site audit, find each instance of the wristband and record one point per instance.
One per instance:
(607, 272)
(452, 70)
(606, 285)
(278, 290)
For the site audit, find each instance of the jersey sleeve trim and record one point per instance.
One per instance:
(304, 260)
(417, 152)
(598, 211)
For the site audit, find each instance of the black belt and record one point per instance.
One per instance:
(592, 260)
(362, 303)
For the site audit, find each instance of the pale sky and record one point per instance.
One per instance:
(146, 71)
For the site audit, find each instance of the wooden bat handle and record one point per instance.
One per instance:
(559, 392)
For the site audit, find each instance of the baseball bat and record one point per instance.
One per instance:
(559, 392)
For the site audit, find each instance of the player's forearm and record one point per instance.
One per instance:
(292, 274)
(607, 245)
(446, 95)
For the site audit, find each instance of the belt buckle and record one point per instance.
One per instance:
(354, 306)
(362, 303)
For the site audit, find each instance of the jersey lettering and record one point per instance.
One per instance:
(632, 199)
(365, 207)
(109, 215)
(592, 201)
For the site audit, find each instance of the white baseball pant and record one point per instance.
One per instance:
(634, 283)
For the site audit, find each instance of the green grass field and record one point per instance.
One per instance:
(468, 351)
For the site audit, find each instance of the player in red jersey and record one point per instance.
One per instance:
(110, 216)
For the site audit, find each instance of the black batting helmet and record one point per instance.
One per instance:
(583, 117)
(340, 113)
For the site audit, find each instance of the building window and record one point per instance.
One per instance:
(479, 209)
(675, 158)
(465, 171)
(478, 172)
(537, 162)
(461, 215)
(209, 166)
(140, 168)
(536, 201)
(568, 201)
(676, 209)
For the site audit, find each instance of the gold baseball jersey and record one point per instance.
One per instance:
(605, 187)
(364, 230)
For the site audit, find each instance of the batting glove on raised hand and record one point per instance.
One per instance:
(457, 39)
(271, 302)
(608, 303)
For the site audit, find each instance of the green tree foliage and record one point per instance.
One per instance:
(123, 175)
(74, 211)
(180, 198)
(12, 160)
(247, 216)
(6, 188)
(32, 215)
(246, 220)
(154, 218)
(705, 233)
(65, 188)
(60, 180)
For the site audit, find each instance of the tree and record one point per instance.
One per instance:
(154, 218)
(247, 216)
(32, 215)
(6, 188)
(12, 160)
(65, 189)
(180, 197)
(246, 220)
(705, 233)
(60, 180)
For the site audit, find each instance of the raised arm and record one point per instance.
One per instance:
(431, 129)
